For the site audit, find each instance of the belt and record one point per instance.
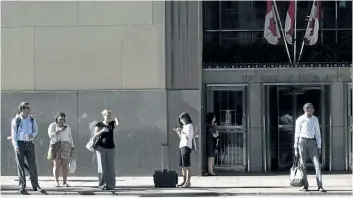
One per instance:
(25, 142)
(307, 138)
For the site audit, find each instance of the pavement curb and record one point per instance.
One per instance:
(181, 193)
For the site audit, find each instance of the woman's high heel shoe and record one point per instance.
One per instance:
(181, 185)
(187, 185)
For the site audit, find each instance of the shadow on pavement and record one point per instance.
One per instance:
(274, 173)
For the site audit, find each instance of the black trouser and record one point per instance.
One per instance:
(26, 151)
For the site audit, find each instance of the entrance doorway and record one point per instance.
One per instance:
(230, 107)
(349, 127)
(284, 104)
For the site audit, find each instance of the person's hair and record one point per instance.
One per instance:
(106, 111)
(59, 114)
(21, 105)
(186, 117)
(308, 104)
(209, 118)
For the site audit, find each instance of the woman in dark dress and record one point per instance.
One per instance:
(212, 141)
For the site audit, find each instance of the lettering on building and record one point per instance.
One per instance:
(295, 78)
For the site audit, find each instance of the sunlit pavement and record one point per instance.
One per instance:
(201, 187)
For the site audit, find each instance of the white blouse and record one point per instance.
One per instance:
(187, 135)
(62, 136)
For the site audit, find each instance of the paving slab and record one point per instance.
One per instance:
(201, 186)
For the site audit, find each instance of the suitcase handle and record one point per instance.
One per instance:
(163, 145)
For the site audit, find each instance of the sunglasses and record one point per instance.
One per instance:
(26, 108)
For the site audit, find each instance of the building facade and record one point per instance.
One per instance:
(150, 61)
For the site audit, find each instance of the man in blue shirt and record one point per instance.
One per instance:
(23, 130)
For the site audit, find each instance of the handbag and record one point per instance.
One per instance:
(296, 177)
(92, 144)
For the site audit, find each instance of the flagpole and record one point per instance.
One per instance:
(307, 26)
(284, 36)
(295, 31)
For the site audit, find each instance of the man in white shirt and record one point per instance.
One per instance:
(23, 131)
(308, 141)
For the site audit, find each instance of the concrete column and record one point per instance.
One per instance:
(255, 133)
(337, 136)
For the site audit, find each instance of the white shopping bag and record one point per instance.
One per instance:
(72, 165)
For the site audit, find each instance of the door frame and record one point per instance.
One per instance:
(265, 127)
(233, 87)
(347, 134)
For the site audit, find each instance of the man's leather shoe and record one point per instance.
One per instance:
(321, 189)
(40, 190)
(23, 192)
(305, 189)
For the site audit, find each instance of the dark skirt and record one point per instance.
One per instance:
(185, 155)
(211, 147)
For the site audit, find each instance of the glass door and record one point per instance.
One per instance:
(229, 105)
(284, 104)
(350, 127)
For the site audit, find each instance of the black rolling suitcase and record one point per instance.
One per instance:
(165, 178)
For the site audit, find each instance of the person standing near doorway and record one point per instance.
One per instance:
(212, 141)
(308, 141)
(23, 131)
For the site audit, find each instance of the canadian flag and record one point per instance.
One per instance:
(289, 26)
(312, 30)
(271, 31)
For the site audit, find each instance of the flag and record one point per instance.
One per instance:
(312, 30)
(271, 31)
(289, 26)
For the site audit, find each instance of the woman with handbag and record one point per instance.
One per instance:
(106, 150)
(61, 147)
(212, 141)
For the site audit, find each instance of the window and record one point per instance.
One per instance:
(235, 15)
(328, 14)
(211, 13)
(234, 32)
(344, 14)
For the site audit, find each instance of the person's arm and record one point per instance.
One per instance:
(116, 122)
(297, 132)
(98, 132)
(51, 131)
(70, 135)
(35, 128)
(317, 134)
(13, 133)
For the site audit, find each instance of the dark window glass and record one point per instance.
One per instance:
(304, 8)
(328, 14)
(344, 14)
(235, 15)
(229, 39)
(212, 47)
(211, 15)
(344, 46)
(263, 52)
(259, 15)
(322, 51)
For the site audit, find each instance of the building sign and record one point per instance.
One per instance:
(296, 78)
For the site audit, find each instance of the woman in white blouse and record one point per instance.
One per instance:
(186, 135)
(61, 147)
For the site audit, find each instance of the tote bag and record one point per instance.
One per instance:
(296, 177)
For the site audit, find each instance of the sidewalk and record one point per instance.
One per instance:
(201, 186)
